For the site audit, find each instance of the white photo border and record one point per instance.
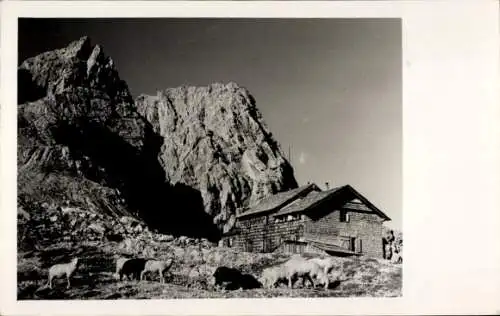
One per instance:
(451, 156)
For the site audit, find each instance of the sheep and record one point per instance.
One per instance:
(248, 282)
(300, 267)
(225, 274)
(155, 265)
(119, 267)
(232, 279)
(133, 267)
(63, 269)
(272, 275)
(326, 263)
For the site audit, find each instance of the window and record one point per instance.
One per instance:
(287, 218)
(344, 216)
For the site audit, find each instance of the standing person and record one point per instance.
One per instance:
(387, 245)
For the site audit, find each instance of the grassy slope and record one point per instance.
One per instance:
(190, 275)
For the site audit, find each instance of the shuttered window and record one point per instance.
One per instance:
(344, 216)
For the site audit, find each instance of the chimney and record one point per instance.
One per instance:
(327, 185)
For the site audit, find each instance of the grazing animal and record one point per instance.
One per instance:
(233, 279)
(63, 269)
(160, 266)
(272, 275)
(133, 267)
(326, 263)
(225, 274)
(300, 267)
(119, 267)
(248, 282)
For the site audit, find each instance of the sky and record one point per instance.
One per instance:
(328, 89)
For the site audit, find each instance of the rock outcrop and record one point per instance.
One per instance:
(74, 86)
(76, 121)
(215, 140)
(182, 161)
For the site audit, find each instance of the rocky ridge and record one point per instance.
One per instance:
(215, 140)
(179, 161)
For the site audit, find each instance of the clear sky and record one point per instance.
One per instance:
(331, 89)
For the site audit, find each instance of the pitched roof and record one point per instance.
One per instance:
(356, 206)
(343, 194)
(310, 196)
(309, 201)
(278, 200)
(367, 203)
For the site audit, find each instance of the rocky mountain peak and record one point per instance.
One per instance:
(215, 140)
(183, 160)
(78, 83)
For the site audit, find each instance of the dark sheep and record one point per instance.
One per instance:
(231, 286)
(248, 282)
(233, 279)
(225, 274)
(133, 267)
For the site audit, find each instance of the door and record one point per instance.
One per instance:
(248, 246)
(266, 245)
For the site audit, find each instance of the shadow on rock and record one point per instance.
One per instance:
(176, 210)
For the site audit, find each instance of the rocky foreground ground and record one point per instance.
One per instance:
(64, 233)
(190, 277)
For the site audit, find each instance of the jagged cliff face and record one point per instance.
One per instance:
(82, 143)
(72, 108)
(215, 140)
(181, 161)
(74, 84)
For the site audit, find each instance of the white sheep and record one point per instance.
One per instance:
(63, 269)
(300, 267)
(157, 266)
(326, 263)
(272, 275)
